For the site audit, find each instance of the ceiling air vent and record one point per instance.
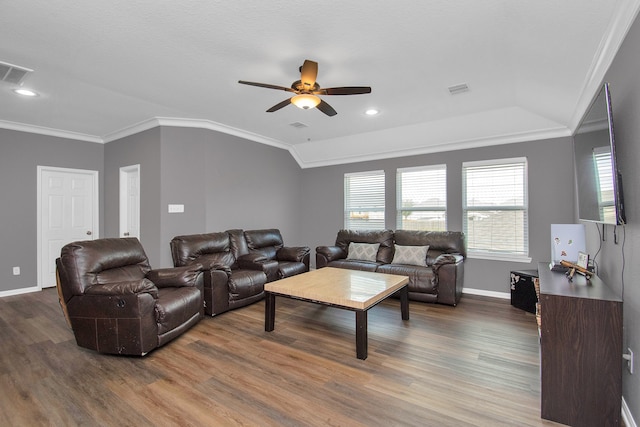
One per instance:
(456, 89)
(298, 125)
(12, 73)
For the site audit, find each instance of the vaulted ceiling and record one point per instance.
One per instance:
(107, 69)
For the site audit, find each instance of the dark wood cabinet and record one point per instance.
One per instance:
(580, 350)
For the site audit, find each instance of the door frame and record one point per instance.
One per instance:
(124, 199)
(96, 207)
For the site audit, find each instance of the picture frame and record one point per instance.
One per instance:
(583, 260)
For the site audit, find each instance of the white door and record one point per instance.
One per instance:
(130, 201)
(67, 212)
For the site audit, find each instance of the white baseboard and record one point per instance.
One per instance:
(482, 292)
(626, 415)
(18, 291)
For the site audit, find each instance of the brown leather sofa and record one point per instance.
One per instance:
(115, 303)
(238, 263)
(435, 276)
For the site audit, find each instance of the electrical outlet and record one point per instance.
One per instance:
(16, 271)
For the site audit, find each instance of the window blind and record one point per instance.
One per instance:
(421, 197)
(495, 206)
(364, 200)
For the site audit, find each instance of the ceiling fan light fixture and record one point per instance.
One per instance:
(25, 92)
(305, 101)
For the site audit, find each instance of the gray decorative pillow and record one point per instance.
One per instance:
(363, 251)
(412, 255)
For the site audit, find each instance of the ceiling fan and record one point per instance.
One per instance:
(307, 90)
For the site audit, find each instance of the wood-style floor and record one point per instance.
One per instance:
(473, 365)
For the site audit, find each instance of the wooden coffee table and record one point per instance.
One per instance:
(338, 287)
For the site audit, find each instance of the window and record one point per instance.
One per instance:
(604, 176)
(422, 198)
(364, 200)
(495, 209)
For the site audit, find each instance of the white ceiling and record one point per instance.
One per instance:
(106, 69)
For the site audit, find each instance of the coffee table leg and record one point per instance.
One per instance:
(269, 311)
(404, 302)
(361, 334)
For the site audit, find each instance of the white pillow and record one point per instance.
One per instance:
(363, 251)
(412, 255)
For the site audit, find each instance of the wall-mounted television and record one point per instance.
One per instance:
(598, 181)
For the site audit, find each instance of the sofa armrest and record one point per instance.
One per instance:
(252, 261)
(448, 270)
(331, 253)
(326, 254)
(444, 259)
(187, 275)
(130, 287)
(292, 253)
(259, 262)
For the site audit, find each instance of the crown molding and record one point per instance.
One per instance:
(391, 152)
(41, 130)
(619, 25)
(193, 123)
(462, 144)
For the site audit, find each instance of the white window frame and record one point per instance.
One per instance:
(365, 198)
(487, 253)
(430, 182)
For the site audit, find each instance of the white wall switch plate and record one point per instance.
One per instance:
(176, 208)
(16, 271)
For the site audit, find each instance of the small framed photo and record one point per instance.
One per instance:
(583, 260)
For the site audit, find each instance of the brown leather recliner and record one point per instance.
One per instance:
(117, 304)
(226, 284)
(266, 250)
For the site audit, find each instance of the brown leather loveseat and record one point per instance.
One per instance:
(238, 263)
(433, 260)
(115, 303)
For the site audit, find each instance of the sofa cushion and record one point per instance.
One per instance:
(288, 269)
(421, 279)
(175, 306)
(384, 237)
(439, 242)
(216, 261)
(363, 251)
(354, 264)
(412, 255)
(186, 249)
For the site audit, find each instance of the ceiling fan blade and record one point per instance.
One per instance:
(349, 90)
(265, 85)
(326, 108)
(308, 74)
(279, 105)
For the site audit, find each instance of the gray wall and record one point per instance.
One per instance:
(619, 262)
(223, 182)
(551, 200)
(144, 149)
(20, 155)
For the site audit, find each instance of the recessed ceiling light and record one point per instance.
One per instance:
(25, 92)
(371, 112)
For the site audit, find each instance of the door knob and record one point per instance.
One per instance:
(89, 233)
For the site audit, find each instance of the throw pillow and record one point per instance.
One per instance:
(412, 255)
(363, 251)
